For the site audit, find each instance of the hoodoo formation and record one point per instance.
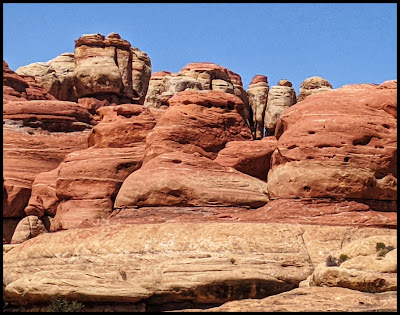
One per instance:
(127, 190)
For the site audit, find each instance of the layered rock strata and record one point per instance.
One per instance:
(20, 88)
(196, 76)
(198, 121)
(280, 98)
(258, 97)
(249, 157)
(181, 179)
(200, 263)
(313, 85)
(55, 76)
(109, 68)
(340, 144)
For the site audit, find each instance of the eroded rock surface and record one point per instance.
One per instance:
(249, 157)
(17, 88)
(109, 68)
(313, 85)
(258, 98)
(165, 263)
(194, 77)
(55, 76)
(280, 97)
(340, 144)
(367, 265)
(198, 121)
(315, 299)
(184, 179)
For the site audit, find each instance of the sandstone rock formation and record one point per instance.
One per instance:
(198, 121)
(249, 157)
(200, 263)
(28, 151)
(38, 131)
(324, 211)
(17, 88)
(109, 68)
(280, 98)
(367, 265)
(181, 179)
(89, 180)
(29, 227)
(53, 116)
(55, 76)
(313, 85)
(156, 88)
(168, 198)
(121, 126)
(258, 97)
(196, 76)
(85, 184)
(315, 299)
(339, 144)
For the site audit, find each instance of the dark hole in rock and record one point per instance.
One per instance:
(176, 161)
(346, 159)
(362, 141)
(311, 132)
(307, 188)
(386, 126)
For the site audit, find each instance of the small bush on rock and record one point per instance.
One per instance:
(62, 305)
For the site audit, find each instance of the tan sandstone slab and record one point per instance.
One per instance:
(315, 299)
(158, 263)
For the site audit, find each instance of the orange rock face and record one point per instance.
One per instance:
(339, 144)
(198, 121)
(249, 157)
(183, 179)
(121, 126)
(16, 87)
(89, 180)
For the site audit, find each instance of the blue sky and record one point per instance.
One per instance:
(342, 42)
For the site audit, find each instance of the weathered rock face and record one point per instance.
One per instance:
(249, 157)
(53, 116)
(29, 227)
(258, 97)
(157, 261)
(88, 181)
(37, 134)
(55, 76)
(324, 211)
(313, 85)
(43, 199)
(196, 76)
(156, 88)
(174, 262)
(339, 144)
(17, 88)
(367, 265)
(110, 68)
(85, 184)
(315, 299)
(198, 121)
(280, 98)
(27, 152)
(182, 179)
(121, 126)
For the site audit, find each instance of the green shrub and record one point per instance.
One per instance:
(62, 305)
(343, 258)
(380, 245)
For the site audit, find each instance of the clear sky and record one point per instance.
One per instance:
(342, 42)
